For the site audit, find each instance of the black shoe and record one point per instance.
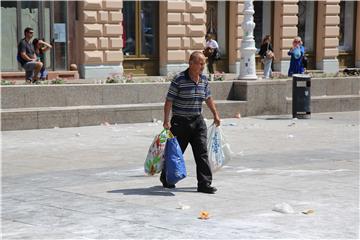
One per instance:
(207, 189)
(166, 185)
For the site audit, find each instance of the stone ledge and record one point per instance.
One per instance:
(38, 118)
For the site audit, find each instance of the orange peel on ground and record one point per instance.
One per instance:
(204, 215)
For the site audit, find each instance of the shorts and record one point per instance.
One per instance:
(29, 70)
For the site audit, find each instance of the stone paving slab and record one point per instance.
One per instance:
(88, 183)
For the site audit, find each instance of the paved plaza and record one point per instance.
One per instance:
(89, 183)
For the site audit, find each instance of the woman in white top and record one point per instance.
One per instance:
(211, 51)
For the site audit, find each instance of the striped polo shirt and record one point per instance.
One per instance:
(187, 96)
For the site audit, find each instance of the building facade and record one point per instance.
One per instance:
(157, 37)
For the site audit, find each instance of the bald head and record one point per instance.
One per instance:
(196, 56)
(196, 63)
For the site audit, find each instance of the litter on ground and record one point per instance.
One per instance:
(283, 208)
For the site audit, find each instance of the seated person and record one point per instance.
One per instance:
(27, 57)
(40, 48)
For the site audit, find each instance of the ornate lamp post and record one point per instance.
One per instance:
(248, 50)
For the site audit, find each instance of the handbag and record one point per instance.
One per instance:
(269, 54)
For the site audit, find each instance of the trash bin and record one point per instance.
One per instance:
(301, 96)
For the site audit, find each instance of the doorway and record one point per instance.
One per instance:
(140, 37)
(217, 24)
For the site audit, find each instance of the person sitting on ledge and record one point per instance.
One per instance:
(40, 48)
(27, 57)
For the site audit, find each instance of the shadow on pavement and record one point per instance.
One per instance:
(153, 191)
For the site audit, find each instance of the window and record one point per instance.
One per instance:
(140, 28)
(347, 23)
(49, 21)
(306, 24)
(216, 23)
(9, 36)
(263, 21)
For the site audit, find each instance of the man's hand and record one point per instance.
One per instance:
(167, 125)
(210, 103)
(217, 120)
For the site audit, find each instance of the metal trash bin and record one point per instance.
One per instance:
(301, 97)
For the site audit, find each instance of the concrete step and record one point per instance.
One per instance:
(336, 103)
(68, 95)
(77, 116)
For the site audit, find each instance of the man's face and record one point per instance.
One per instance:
(29, 34)
(198, 65)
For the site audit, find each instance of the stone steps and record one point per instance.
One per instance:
(74, 105)
(76, 116)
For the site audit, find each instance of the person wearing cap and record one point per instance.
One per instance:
(27, 57)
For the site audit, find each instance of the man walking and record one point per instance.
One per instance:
(186, 94)
(27, 57)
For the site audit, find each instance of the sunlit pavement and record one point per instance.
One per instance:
(89, 182)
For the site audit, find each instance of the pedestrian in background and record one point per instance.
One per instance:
(297, 53)
(211, 52)
(267, 55)
(186, 94)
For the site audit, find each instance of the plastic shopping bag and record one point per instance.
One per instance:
(155, 158)
(218, 149)
(174, 161)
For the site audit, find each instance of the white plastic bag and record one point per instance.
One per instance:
(218, 149)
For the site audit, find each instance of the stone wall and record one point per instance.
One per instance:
(100, 38)
(328, 36)
(235, 34)
(182, 31)
(285, 30)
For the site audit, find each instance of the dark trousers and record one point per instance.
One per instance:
(193, 130)
(210, 65)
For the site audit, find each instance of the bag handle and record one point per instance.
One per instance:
(168, 133)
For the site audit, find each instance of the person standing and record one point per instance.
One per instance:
(267, 54)
(211, 52)
(297, 53)
(40, 48)
(27, 57)
(185, 96)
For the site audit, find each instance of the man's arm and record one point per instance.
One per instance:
(167, 108)
(211, 104)
(26, 57)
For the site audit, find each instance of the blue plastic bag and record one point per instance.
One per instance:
(174, 161)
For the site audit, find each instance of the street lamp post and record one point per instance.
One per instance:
(248, 50)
